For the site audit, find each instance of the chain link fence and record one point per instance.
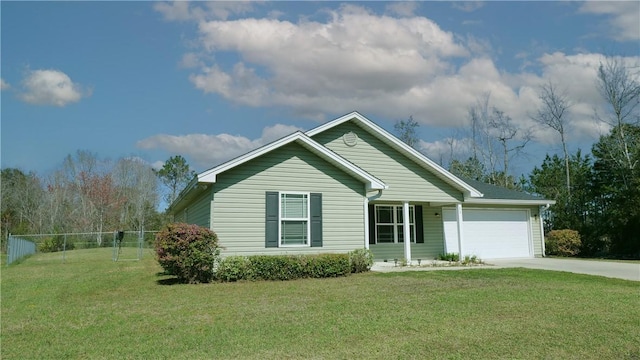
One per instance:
(92, 246)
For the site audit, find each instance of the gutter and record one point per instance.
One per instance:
(365, 204)
(543, 208)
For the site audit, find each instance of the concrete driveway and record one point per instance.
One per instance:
(612, 269)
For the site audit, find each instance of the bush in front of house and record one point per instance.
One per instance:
(287, 267)
(361, 260)
(234, 268)
(563, 243)
(188, 252)
(327, 265)
(451, 257)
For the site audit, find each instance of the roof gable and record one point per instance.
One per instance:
(373, 183)
(400, 146)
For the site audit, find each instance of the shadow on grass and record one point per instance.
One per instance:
(167, 281)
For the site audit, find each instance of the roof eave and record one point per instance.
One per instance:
(508, 201)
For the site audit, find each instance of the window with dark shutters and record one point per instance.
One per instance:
(281, 207)
(272, 219)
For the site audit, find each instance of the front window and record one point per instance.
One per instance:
(294, 219)
(389, 224)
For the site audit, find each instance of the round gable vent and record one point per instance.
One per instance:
(350, 138)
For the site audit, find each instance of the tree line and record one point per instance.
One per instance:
(596, 194)
(89, 194)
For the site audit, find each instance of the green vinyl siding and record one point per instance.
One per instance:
(433, 233)
(406, 179)
(200, 210)
(239, 201)
(538, 238)
(387, 252)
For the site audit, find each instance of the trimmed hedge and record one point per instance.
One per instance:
(290, 267)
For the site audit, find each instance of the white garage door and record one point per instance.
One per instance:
(489, 233)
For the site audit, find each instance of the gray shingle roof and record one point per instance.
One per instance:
(499, 192)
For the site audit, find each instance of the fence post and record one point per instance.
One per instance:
(114, 257)
(8, 248)
(64, 249)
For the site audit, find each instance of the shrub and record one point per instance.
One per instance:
(234, 268)
(282, 267)
(327, 265)
(53, 244)
(361, 260)
(471, 260)
(276, 267)
(449, 257)
(189, 252)
(563, 242)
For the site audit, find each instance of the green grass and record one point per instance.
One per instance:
(91, 307)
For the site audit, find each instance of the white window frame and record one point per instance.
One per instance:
(395, 223)
(281, 218)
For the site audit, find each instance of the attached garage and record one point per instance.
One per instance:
(490, 233)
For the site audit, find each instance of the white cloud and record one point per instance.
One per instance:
(445, 150)
(467, 6)
(623, 22)
(209, 150)
(4, 85)
(50, 87)
(184, 10)
(353, 61)
(402, 8)
(383, 66)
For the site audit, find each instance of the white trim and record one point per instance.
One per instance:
(281, 218)
(394, 211)
(544, 250)
(365, 208)
(406, 149)
(406, 230)
(373, 183)
(532, 251)
(460, 222)
(507, 202)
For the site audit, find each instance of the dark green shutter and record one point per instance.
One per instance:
(316, 220)
(372, 224)
(419, 226)
(271, 219)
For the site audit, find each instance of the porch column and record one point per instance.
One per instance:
(459, 221)
(406, 231)
(366, 222)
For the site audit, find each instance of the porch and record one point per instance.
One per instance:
(387, 228)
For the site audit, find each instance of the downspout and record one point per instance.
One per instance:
(542, 208)
(366, 216)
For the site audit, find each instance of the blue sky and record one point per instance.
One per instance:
(210, 81)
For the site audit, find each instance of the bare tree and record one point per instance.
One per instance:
(407, 131)
(553, 114)
(511, 139)
(495, 140)
(138, 184)
(620, 88)
(482, 139)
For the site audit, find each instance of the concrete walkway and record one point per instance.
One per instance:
(612, 269)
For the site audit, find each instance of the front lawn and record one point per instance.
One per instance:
(91, 307)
